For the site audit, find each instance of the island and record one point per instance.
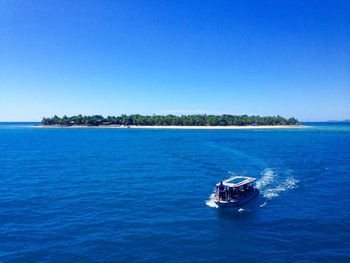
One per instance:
(171, 121)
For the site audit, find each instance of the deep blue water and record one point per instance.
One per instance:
(117, 195)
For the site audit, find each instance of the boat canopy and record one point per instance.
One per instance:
(237, 181)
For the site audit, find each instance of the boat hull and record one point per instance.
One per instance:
(239, 201)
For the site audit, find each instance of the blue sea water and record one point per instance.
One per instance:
(118, 195)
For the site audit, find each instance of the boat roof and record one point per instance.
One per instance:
(237, 181)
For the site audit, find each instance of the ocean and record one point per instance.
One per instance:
(144, 195)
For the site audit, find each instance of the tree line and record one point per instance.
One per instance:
(169, 120)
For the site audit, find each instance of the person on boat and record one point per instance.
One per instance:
(221, 189)
(230, 193)
(235, 192)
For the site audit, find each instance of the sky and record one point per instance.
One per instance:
(290, 58)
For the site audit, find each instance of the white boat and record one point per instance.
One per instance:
(235, 191)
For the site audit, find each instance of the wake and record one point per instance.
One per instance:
(271, 186)
(211, 202)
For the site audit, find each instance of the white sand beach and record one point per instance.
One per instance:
(176, 127)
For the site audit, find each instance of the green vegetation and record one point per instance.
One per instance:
(167, 120)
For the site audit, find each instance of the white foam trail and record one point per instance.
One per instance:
(211, 202)
(262, 205)
(267, 177)
(286, 185)
(241, 210)
(270, 186)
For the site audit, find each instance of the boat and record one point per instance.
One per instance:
(235, 191)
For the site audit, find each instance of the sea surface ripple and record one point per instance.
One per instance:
(133, 195)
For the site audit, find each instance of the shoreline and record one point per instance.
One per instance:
(176, 127)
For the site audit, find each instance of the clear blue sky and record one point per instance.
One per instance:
(290, 58)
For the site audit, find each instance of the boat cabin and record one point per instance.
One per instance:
(235, 187)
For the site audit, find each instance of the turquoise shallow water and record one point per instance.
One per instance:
(116, 195)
